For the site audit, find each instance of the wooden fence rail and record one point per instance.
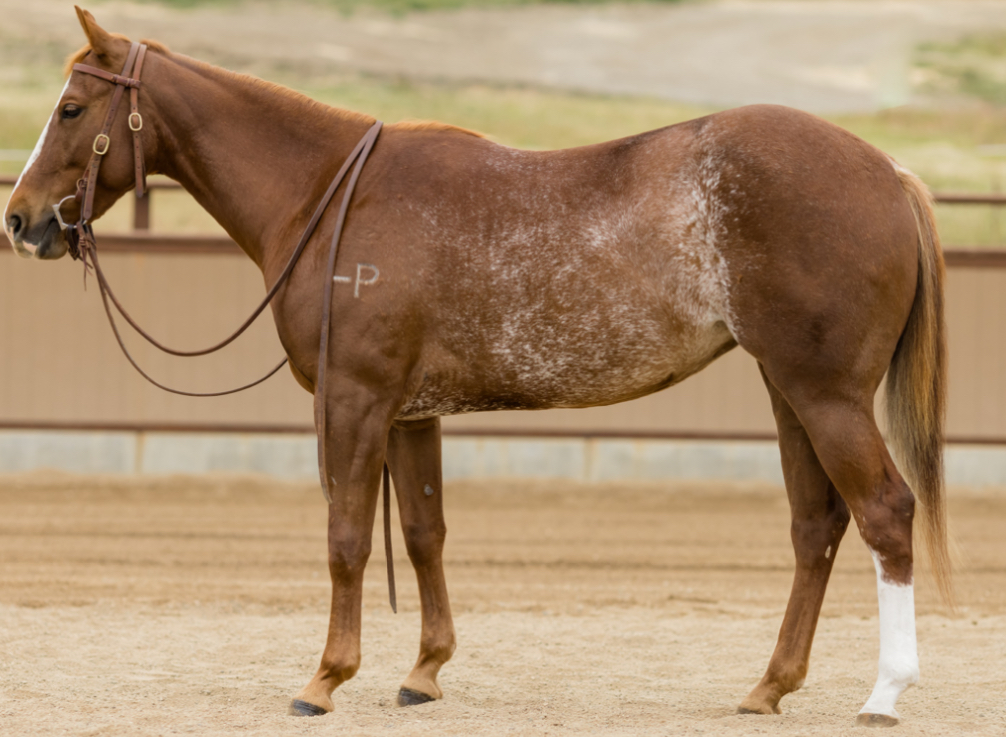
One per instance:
(141, 208)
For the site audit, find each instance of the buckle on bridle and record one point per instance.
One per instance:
(97, 140)
(139, 125)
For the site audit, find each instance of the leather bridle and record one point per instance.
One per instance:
(129, 79)
(83, 246)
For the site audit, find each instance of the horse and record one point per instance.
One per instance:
(475, 277)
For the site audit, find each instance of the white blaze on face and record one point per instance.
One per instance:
(898, 666)
(31, 160)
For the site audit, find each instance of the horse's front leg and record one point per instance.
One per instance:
(355, 445)
(414, 459)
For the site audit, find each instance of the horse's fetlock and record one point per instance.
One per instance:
(439, 650)
(788, 678)
(340, 670)
(902, 674)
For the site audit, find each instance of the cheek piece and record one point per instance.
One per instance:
(129, 79)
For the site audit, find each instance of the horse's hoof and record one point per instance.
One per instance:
(876, 720)
(764, 711)
(300, 708)
(408, 697)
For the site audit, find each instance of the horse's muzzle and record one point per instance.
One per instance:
(41, 240)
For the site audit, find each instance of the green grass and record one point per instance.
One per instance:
(942, 146)
(522, 117)
(973, 66)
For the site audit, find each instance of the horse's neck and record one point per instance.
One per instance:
(255, 157)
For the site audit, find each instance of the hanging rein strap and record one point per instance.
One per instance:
(83, 246)
(90, 252)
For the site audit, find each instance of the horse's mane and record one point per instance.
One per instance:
(433, 125)
(284, 92)
(78, 56)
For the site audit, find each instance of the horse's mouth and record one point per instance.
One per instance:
(50, 246)
(23, 249)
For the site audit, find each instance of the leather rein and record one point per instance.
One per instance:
(83, 247)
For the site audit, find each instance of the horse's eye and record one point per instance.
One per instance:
(71, 111)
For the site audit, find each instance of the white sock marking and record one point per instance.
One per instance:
(898, 666)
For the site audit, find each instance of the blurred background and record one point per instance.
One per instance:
(923, 80)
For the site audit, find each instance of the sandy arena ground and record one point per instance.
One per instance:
(199, 605)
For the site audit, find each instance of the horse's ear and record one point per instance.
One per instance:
(102, 42)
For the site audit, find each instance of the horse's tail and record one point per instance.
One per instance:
(917, 387)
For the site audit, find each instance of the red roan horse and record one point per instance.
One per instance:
(507, 279)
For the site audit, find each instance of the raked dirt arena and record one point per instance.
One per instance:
(198, 605)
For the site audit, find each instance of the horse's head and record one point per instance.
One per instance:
(65, 148)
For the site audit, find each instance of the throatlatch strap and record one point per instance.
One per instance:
(136, 125)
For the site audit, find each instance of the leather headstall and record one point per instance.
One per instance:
(129, 79)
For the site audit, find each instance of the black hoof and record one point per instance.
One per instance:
(408, 697)
(300, 708)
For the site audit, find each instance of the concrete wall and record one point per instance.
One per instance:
(293, 456)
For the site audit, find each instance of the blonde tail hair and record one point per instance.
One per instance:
(917, 388)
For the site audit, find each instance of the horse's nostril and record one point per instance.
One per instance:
(14, 224)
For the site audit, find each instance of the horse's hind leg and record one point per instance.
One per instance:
(819, 519)
(414, 460)
(846, 440)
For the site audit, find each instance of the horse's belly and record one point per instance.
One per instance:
(579, 368)
(624, 300)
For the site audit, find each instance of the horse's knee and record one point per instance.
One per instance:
(424, 542)
(348, 553)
